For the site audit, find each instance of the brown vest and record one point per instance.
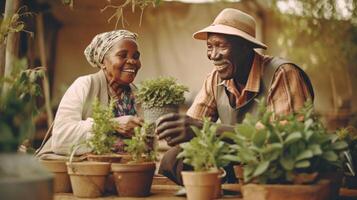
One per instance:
(229, 115)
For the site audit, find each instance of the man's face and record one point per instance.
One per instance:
(228, 54)
(122, 62)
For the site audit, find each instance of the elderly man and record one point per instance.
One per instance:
(240, 75)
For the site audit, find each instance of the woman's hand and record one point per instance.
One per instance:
(176, 128)
(125, 124)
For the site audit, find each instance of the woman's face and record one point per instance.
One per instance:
(122, 62)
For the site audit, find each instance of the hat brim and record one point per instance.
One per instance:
(223, 29)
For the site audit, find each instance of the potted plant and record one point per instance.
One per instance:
(21, 176)
(89, 178)
(205, 153)
(350, 156)
(286, 157)
(160, 96)
(134, 179)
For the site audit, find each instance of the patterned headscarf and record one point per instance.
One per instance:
(102, 42)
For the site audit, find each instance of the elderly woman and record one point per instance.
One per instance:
(116, 54)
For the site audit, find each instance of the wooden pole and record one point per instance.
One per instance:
(43, 58)
(12, 41)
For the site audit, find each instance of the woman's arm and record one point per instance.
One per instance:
(69, 126)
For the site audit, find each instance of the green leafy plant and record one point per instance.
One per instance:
(281, 150)
(18, 105)
(206, 151)
(141, 146)
(103, 129)
(161, 92)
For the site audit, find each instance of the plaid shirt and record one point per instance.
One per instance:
(287, 93)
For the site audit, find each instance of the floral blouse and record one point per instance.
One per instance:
(123, 105)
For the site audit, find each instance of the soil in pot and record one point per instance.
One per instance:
(111, 158)
(318, 191)
(152, 114)
(88, 178)
(133, 179)
(62, 184)
(200, 185)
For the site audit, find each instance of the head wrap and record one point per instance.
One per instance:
(102, 42)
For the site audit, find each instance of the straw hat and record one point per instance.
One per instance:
(232, 22)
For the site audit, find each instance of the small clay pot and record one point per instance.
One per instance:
(62, 184)
(88, 178)
(239, 173)
(133, 179)
(201, 185)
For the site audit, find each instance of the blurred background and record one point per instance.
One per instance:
(318, 35)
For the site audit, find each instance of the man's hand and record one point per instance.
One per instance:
(176, 128)
(125, 124)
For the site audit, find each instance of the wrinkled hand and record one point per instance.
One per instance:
(176, 128)
(125, 124)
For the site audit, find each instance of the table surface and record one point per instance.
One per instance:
(166, 192)
(159, 192)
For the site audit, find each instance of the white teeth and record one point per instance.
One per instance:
(129, 70)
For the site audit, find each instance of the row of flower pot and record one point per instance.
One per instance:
(94, 179)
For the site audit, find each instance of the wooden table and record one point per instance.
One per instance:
(159, 192)
(166, 192)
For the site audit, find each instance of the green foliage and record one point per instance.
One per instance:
(103, 129)
(141, 146)
(12, 24)
(18, 105)
(276, 151)
(161, 92)
(205, 151)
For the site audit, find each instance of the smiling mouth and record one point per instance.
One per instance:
(129, 70)
(221, 67)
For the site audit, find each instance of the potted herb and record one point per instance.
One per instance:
(134, 179)
(205, 153)
(160, 96)
(21, 176)
(89, 178)
(350, 156)
(287, 156)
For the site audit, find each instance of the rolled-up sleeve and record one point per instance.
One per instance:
(204, 104)
(69, 128)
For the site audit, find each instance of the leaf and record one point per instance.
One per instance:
(259, 138)
(315, 148)
(293, 137)
(231, 158)
(287, 163)
(304, 155)
(246, 130)
(330, 156)
(303, 164)
(340, 145)
(262, 167)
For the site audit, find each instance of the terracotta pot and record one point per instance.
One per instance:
(318, 191)
(152, 114)
(200, 185)
(23, 177)
(62, 184)
(238, 171)
(133, 179)
(111, 158)
(88, 178)
(218, 190)
(335, 179)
